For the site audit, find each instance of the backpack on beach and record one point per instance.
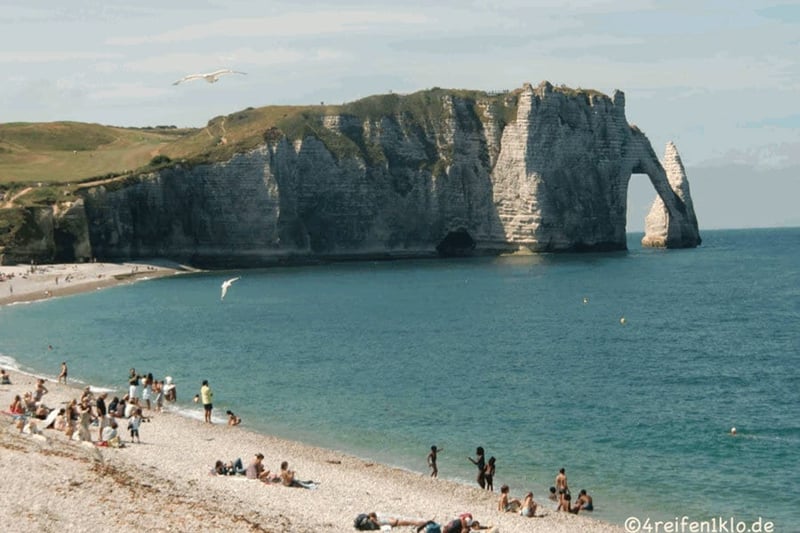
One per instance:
(363, 523)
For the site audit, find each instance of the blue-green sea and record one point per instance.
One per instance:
(526, 356)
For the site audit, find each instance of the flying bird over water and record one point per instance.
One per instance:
(226, 285)
(210, 77)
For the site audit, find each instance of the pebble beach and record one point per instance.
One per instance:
(164, 482)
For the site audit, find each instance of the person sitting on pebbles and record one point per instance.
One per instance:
(289, 480)
(256, 470)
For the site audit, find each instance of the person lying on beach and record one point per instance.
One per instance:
(233, 420)
(219, 469)
(504, 505)
(256, 470)
(371, 522)
(463, 524)
(528, 506)
(231, 468)
(585, 501)
(288, 478)
(429, 527)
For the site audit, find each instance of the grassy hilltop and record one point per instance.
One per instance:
(46, 163)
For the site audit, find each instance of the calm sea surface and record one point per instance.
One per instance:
(383, 360)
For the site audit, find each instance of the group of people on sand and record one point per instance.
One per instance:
(486, 469)
(79, 415)
(149, 392)
(75, 419)
(559, 493)
(257, 471)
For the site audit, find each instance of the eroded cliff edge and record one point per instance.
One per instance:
(539, 169)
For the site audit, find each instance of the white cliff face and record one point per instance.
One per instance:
(554, 178)
(658, 220)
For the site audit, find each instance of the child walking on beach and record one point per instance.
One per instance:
(432, 461)
(133, 424)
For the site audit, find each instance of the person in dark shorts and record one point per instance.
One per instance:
(206, 396)
(480, 462)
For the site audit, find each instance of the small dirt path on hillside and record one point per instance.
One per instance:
(10, 201)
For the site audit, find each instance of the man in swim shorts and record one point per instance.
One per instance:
(205, 398)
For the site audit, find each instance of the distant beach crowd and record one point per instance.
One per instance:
(146, 396)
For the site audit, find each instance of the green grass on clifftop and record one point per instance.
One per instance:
(59, 152)
(44, 163)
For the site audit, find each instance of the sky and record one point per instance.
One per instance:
(721, 79)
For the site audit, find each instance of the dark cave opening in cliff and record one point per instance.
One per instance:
(457, 243)
(64, 246)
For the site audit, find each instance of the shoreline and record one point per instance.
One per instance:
(175, 457)
(21, 283)
(163, 483)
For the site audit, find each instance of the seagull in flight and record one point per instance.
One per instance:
(210, 77)
(227, 285)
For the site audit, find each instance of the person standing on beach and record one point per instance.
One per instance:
(133, 384)
(488, 476)
(432, 461)
(63, 374)
(85, 418)
(206, 396)
(147, 390)
(102, 419)
(480, 462)
(158, 390)
(561, 482)
(40, 390)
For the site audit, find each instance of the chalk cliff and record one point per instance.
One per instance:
(658, 221)
(541, 169)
